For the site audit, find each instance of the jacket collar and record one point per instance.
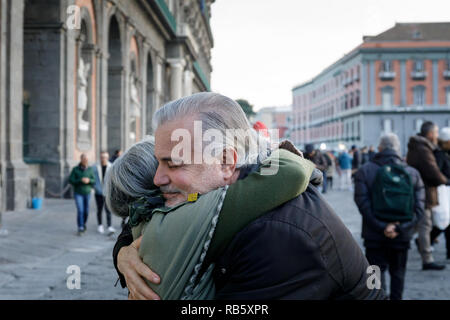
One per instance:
(417, 139)
(387, 156)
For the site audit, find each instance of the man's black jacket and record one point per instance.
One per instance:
(373, 228)
(300, 250)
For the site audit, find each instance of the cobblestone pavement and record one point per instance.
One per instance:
(41, 245)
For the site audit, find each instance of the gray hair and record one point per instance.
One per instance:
(390, 141)
(221, 113)
(131, 176)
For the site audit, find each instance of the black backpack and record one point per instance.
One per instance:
(393, 194)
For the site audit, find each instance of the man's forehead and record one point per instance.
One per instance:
(163, 135)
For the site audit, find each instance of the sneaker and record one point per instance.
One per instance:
(433, 266)
(101, 229)
(111, 229)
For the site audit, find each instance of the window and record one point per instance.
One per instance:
(418, 66)
(359, 128)
(419, 95)
(387, 125)
(447, 95)
(417, 125)
(387, 94)
(357, 98)
(351, 100)
(387, 66)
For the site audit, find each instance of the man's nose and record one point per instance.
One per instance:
(161, 178)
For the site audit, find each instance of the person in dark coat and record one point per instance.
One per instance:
(316, 157)
(442, 155)
(371, 152)
(386, 243)
(420, 156)
(357, 159)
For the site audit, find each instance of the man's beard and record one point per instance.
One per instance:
(172, 194)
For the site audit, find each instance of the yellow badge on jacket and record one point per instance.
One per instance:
(192, 197)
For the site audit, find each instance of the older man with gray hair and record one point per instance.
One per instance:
(300, 250)
(387, 230)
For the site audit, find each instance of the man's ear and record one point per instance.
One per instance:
(229, 161)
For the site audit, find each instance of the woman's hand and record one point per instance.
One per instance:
(134, 270)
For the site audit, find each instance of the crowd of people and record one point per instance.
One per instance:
(342, 164)
(396, 196)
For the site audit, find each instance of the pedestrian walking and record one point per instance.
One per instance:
(442, 155)
(365, 157)
(316, 157)
(420, 156)
(345, 165)
(100, 170)
(390, 196)
(116, 155)
(82, 179)
(356, 159)
(331, 162)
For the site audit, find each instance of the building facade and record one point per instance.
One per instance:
(392, 82)
(82, 76)
(276, 118)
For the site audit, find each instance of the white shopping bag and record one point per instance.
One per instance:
(441, 213)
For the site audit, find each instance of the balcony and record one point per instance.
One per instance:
(418, 75)
(347, 82)
(446, 74)
(386, 75)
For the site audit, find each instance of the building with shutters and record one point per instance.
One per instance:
(391, 82)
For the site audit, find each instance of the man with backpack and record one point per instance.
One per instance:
(390, 196)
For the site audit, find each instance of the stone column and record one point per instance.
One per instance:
(187, 88)
(176, 78)
(16, 178)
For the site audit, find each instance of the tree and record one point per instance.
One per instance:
(247, 107)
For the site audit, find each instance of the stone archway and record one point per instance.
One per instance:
(114, 87)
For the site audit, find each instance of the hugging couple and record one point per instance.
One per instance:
(230, 227)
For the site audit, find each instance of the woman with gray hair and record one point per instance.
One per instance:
(175, 240)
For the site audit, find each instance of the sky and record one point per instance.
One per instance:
(263, 48)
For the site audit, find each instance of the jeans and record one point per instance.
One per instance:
(82, 203)
(100, 200)
(324, 183)
(346, 179)
(395, 260)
